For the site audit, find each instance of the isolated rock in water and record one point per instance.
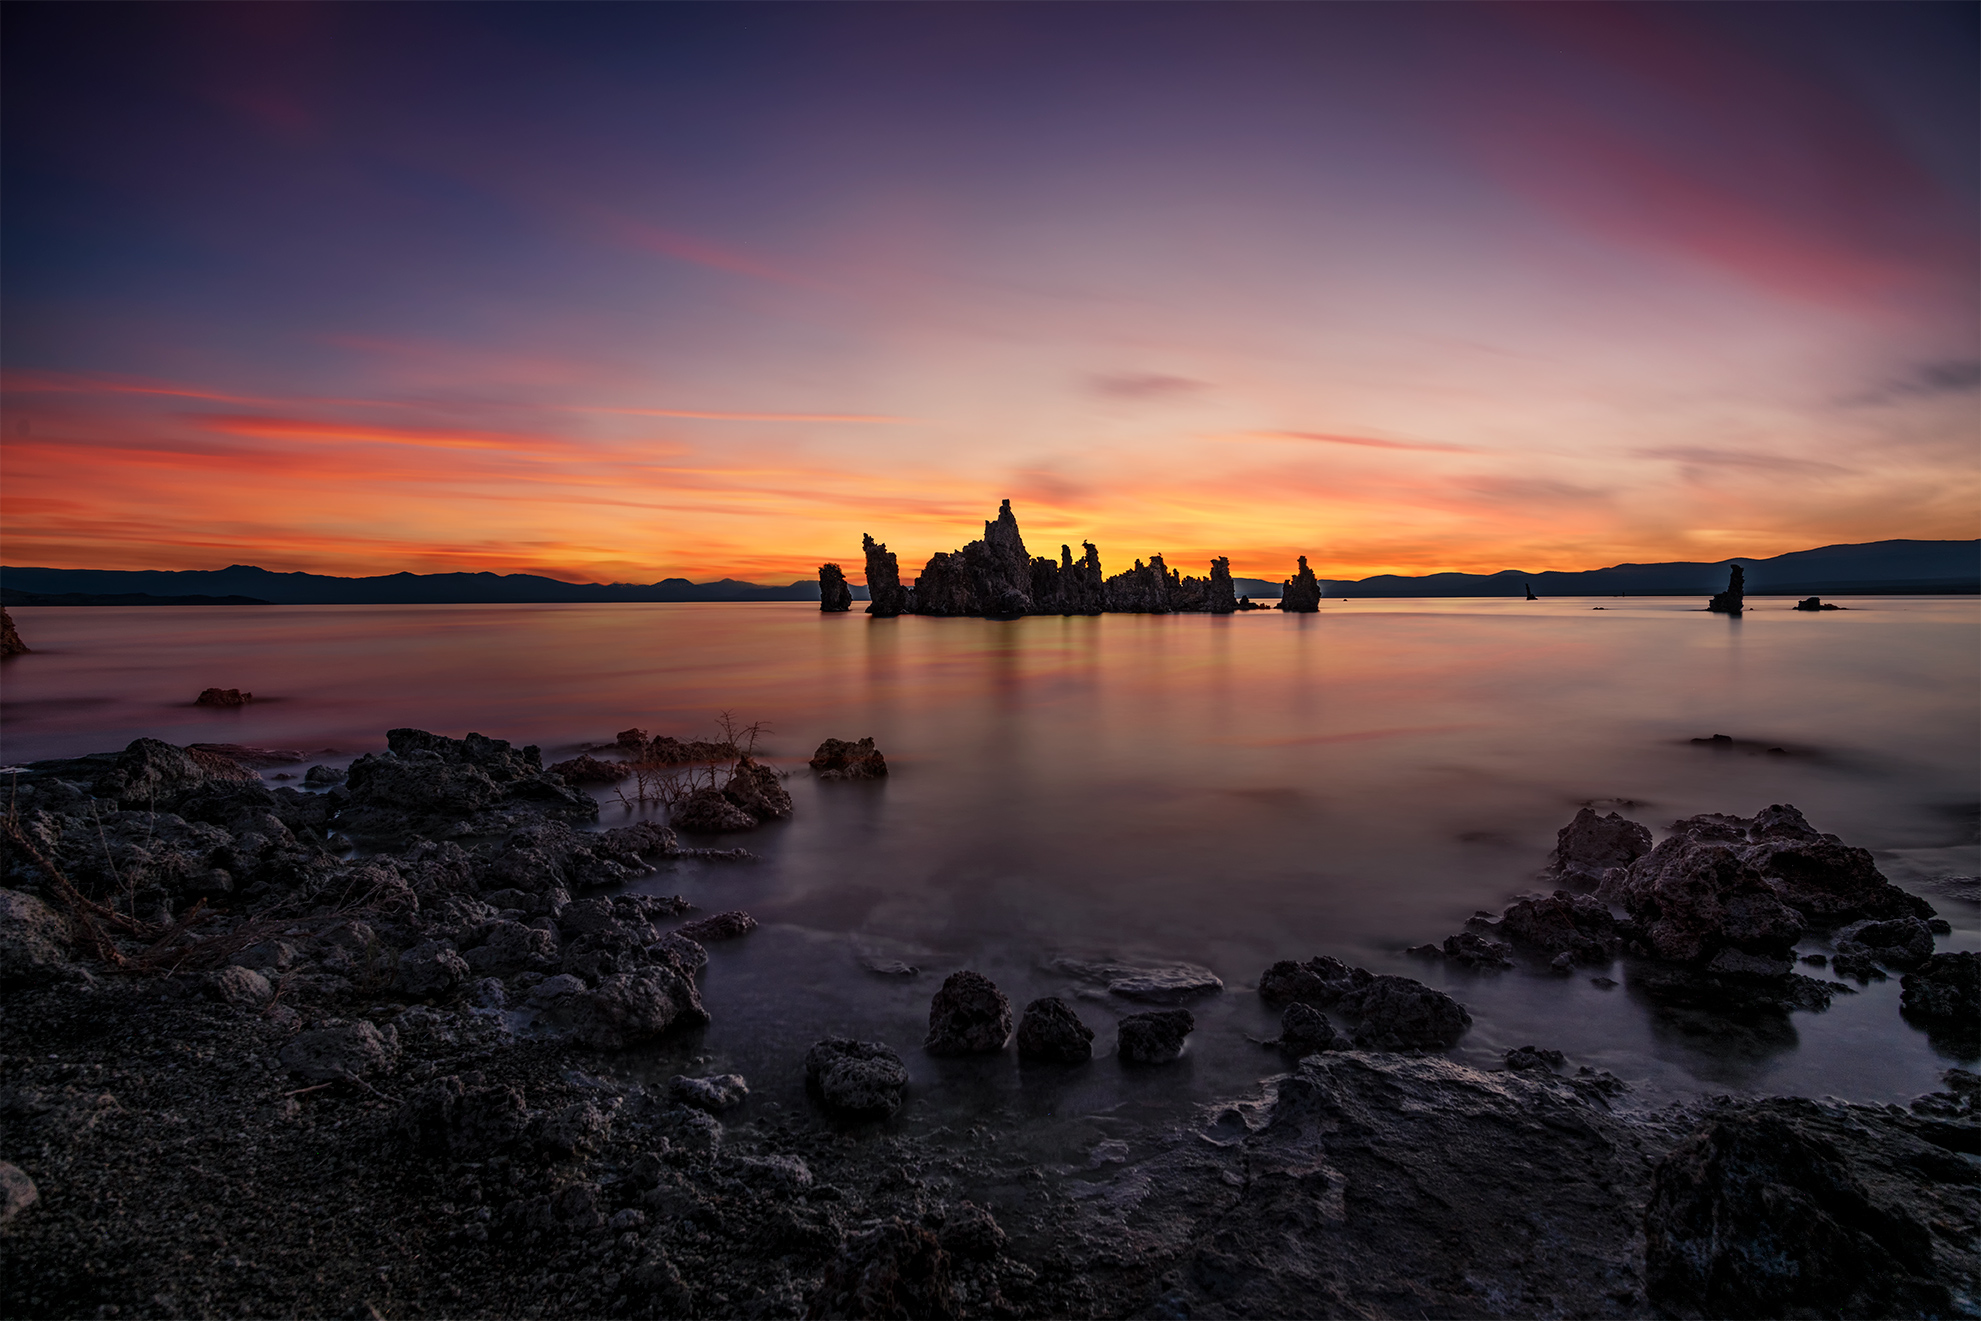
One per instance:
(895, 1269)
(1302, 592)
(223, 697)
(885, 596)
(17, 1192)
(10, 641)
(1155, 1037)
(708, 812)
(1305, 1031)
(337, 1052)
(1900, 943)
(1730, 602)
(720, 926)
(1220, 599)
(1785, 1208)
(1944, 996)
(591, 770)
(856, 1078)
(1051, 1031)
(756, 789)
(1320, 982)
(1591, 844)
(1471, 950)
(1694, 895)
(837, 759)
(715, 1094)
(34, 940)
(968, 1016)
(1534, 1057)
(1401, 1013)
(1815, 603)
(835, 597)
(1574, 924)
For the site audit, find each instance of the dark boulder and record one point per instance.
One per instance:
(225, 697)
(709, 812)
(1943, 996)
(152, 775)
(1813, 603)
(835, 597)
(1400, 1013)
(1590, 845)
(1301, 593)
(1051, 1031)
(1470, 950)
(1155, 1037)
(628, 1008)
(1219, 599)
(1694, 897)
(756, 789)
(1523, 1058)
(720, 926)
(859, 1079)
(1575, 924)
(1306, 1031)
(34, 941)
(1319, 982)
(1901, 944)
(1784, 1208)
(968, 1016)
(837, 759)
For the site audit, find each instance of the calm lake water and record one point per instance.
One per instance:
(1221, 791)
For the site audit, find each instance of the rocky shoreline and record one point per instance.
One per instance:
(252, 1070)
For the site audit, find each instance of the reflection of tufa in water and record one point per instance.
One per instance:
(996, 578)
(1729, 602)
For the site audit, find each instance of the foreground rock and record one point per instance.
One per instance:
(1588, 848)
(1052, 1032)
(857, 1079)
(837, 759)
(1155, 1037)
(1786, 1207)
(968, 1016)
(431, 786)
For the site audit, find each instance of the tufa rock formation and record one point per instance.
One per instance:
(1729, 602)
(10, 641)
(997, 578)
(835, 597)
(1301, 593)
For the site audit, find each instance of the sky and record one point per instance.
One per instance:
(622, 292)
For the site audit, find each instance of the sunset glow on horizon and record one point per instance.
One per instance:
(620, 293)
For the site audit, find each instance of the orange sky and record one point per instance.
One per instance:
(1523, 289)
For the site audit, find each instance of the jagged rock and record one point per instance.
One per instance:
(837, 759)
(627, 1008)
(1304, 1030)
(431, 785)
(339, 1051)
(1943, 995)
(715, 1094)
(1051, 1031)
(968, 1016)
(461, 1118)
(720, 926)
(1400, 1013)
(239, 986)
(10, 640)
(1788, 1208)
(1220, 599)
(1534, 1057)
(1815, 603)
(1563, 923)
(153, 775)
(896, 1269)
(223, 697)
(1590, 845)
(1693, 896)
(322, 777)
(34, 940)
(862, 1079)
(1471, 950)
(886, 597)
(17, 1191)
(1899, 943)
(756, 789)
(1155, 1037)
(1730, 602)
(431, 969)
(709, 812)
(508, 948)
(835, 597)
(1320, 982)
(591, 770)
(1301, 594)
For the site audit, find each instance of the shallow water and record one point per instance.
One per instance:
(1222, 791)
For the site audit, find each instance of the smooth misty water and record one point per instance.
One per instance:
(1220, 791)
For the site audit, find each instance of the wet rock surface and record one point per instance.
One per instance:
(968, 1016)
(1051, 1031)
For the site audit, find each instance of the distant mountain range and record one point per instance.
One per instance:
(1875, 568)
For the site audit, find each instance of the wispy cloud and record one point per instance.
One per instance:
(1145, 385)
(1364, 442)
(1702, 456)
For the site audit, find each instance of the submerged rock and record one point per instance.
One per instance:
(1155, 1037)
(1051, 1031)
(1590, 845)
(861, 1079)
(968, 1016)
(1815, 603)
(757, 789)
(837, 759)
(1785, 1207)
(835, 597)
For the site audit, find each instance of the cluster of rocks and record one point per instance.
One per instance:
(1813, 603)
(996, 577)
(837, 759)
(1389, 1013)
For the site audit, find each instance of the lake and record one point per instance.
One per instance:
(1222, 791)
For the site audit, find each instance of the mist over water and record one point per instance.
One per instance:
(1220, 791)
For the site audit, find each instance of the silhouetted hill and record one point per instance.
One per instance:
(388, 589)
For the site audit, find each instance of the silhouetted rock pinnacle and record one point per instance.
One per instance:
(887, 597)
(1302, 593)
(834, 595)
(1729, 602)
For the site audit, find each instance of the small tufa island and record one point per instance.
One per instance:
(997, 578)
